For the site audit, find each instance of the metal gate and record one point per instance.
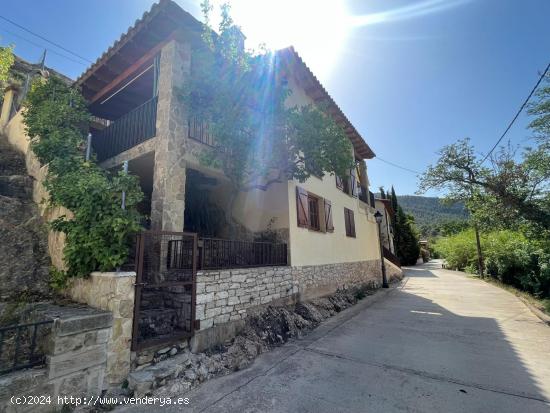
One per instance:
(165, 293)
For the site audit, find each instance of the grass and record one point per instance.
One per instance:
(543, 304)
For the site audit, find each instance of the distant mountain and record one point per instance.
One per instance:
(429, 212)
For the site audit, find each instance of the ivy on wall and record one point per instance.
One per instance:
(98, 236)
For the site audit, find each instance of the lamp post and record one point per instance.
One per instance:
(378, 217)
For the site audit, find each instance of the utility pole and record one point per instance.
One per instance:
(476, 230)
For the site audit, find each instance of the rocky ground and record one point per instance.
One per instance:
(263, 331)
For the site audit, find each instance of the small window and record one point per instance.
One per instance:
(313, 203)
(350, 222)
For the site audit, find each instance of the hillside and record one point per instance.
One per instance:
(429, 212)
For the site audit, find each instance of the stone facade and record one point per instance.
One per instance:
(76, 355)
(112, 291)
(168, 198)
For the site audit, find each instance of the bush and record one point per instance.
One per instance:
(509, 256)
(99, 234)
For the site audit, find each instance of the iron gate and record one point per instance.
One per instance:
(165, 292)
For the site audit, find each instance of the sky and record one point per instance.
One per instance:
(410, 75)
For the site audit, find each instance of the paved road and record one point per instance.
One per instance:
(442, 342)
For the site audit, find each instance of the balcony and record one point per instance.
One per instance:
(128, 131)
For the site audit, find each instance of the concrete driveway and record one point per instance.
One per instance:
(441, 342)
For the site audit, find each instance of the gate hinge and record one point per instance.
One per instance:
(197, 324)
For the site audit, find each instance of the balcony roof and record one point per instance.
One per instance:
(147, 35)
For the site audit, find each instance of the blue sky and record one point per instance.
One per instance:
(412, 76)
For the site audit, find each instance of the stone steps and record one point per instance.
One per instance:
(24, 247)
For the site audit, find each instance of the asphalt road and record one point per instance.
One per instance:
(441, 342)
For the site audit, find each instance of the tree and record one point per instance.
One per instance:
(405, 234)
(406, 238)
(260, 140)
(382, 193)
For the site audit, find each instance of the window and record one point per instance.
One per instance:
(350, 222)
(313, 203)
(313, 212)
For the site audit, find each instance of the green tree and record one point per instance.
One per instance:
(260, 140)
(406, 238)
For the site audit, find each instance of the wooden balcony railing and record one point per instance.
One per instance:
(217, 253)
(127, 131)
(391, 257)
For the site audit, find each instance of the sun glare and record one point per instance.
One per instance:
(316, 28)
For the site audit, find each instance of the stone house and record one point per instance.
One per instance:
(192, 282)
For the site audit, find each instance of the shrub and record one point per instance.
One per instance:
(99, 234)
(509, 256)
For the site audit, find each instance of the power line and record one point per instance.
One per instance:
(45, 39)
(42, 47)
(398, 166)
(518, 113)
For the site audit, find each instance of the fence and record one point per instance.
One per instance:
(21, 346)
(215, 253)
(165, 288)
(127, 131)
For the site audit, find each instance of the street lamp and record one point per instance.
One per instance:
(378, 217)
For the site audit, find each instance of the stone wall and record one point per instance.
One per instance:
(76, 355)
(112, 291)
(226, 297)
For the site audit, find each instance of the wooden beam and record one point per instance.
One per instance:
(130, 71)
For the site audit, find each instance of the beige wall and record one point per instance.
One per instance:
(308, 247)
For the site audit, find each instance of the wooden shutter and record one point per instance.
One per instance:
(329, 226)
(350, 222)
(302, 207)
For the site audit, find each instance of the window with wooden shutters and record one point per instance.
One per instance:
(350, 222)
(329, 226)
(302, 207)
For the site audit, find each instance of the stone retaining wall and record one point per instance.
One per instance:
(111, 291)
(224, 298)
(76, 355)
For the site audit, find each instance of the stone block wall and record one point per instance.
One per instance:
(114, 292)
(76, 356)
(227, 295)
